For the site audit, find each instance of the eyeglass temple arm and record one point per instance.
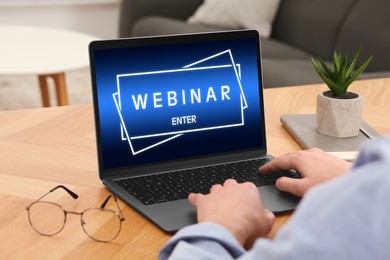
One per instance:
(71, 193)
(116, 201)
(105, 202)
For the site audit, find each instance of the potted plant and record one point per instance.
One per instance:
(339, 112)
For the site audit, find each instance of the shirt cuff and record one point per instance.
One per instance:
(207, 238)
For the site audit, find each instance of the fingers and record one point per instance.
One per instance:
(284, 162)
(215, 187)
(233, 182)
(269, 216)
(294, 186)
(193, 198)
(229, 182)
(294, 160)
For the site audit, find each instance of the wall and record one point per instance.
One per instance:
(96, 17)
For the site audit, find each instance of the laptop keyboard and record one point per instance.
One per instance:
(176, 185)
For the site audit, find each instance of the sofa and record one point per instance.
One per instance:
(301, 29)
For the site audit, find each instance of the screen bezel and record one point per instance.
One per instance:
(187, 162)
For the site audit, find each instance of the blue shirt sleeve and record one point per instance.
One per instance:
(192, 240)
(346, 218)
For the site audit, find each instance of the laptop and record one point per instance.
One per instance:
(176, 114)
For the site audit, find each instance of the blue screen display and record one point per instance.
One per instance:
(177, 101)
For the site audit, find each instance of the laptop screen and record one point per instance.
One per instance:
(172, 98)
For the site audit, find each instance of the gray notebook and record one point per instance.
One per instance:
(303, 128)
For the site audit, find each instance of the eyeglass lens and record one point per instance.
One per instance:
(101, 224)
(46, 218)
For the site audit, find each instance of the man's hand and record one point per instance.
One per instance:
(314, 165)
(237, 207)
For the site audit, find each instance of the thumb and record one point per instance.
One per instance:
(291, 185)
(193, 198)
(269, 216)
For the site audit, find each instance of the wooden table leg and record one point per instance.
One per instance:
(60, 88)
(44, 90)
(60, 84)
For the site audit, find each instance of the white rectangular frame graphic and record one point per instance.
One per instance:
(117, 100)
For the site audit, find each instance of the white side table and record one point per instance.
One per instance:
(48, 53)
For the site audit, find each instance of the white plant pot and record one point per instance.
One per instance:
(339, 117)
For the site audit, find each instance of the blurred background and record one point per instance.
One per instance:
(93, 17)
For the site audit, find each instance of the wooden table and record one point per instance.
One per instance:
(41, 148)
(22, 49)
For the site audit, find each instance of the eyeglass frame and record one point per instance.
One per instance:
(75, 196)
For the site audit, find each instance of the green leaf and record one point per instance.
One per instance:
(319, 70)
(357, 72)
(353, 64)
(337, 62)
(340, 75)
(332, 86)
(336, 89)
(328, 71)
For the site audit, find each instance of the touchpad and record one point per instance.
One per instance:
(277, 201)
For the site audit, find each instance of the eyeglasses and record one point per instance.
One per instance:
(100, 224)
